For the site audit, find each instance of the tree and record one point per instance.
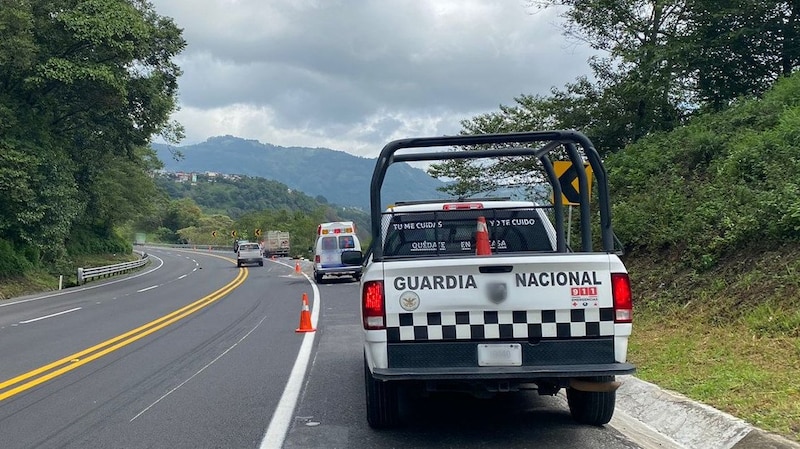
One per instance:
(84, 85)
(666, 60)
(182, 213)
(685, 53)
(738, 48)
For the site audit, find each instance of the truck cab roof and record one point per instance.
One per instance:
(457, 204)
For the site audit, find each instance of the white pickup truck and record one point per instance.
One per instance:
(485, 296)
(247, 253)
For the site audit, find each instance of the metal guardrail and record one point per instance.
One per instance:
(85, 274)
(208, 247)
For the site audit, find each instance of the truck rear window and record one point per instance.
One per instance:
(452, 232)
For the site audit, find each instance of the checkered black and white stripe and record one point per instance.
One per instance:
(506, 324)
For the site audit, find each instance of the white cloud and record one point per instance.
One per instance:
(351, 75)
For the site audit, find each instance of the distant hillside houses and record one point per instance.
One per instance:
(193, 177)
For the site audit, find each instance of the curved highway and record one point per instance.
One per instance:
(193, 352)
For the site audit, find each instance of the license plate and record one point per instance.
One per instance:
(501, 354)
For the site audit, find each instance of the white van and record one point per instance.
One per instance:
(333, 240)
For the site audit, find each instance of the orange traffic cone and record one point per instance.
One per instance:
(482, 247)
(305, 317)
(297, 269)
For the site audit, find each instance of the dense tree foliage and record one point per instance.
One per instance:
(737, 48)
(234, 197)
(84, 86)
(664, 62)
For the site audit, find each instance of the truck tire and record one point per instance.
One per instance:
(318, 278)
(593, 408)
(383, 411)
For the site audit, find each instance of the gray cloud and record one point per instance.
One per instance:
(349, 75)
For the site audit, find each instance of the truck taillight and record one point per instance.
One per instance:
(462, 206)
(623, 302)
(372, 305)
(317, 259)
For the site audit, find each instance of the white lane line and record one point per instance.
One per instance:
(76, 290)
(148, 288)
(198, 372)
(279, 425)
(49, 316)
(181, 277)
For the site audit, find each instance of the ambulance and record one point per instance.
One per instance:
(336, 245)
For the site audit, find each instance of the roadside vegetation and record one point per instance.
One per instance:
(728, 337)
(710, 214)
(41, 280)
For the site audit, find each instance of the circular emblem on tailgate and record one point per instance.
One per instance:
(497, 292)
(409, 301)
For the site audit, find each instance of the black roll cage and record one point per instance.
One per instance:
(570, 139)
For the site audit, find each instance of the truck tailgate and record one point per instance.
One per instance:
(509, 297)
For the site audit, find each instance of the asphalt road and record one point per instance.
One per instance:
(195, 353)
(211, 378)
(330, 413)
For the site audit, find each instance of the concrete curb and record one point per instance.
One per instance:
(690, 424)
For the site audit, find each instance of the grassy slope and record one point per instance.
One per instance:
(734, 343)
(41, 281)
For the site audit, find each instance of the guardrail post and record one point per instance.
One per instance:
(80, 276)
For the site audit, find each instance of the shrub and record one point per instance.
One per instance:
(14, 262)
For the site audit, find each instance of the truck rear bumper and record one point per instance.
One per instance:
(522, 373)
(339, 271)
(460, 360)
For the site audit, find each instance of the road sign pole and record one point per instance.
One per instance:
(569, 225)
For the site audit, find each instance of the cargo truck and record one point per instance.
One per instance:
(276, 243)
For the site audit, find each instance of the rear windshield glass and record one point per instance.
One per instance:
(248, 247)
(329, 243)
(347, 242)
(453, 232)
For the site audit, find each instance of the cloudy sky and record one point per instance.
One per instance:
(351, 75)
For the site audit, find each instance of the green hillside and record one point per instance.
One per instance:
(236, 196)
(248, 203)
(334, 176)
(710, 214)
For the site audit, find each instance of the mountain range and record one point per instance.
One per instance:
(338, 177)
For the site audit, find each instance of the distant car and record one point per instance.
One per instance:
(249, 253)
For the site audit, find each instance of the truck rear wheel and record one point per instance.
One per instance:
(589, 407)
(383, 410)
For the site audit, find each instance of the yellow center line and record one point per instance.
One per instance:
(85, 356)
